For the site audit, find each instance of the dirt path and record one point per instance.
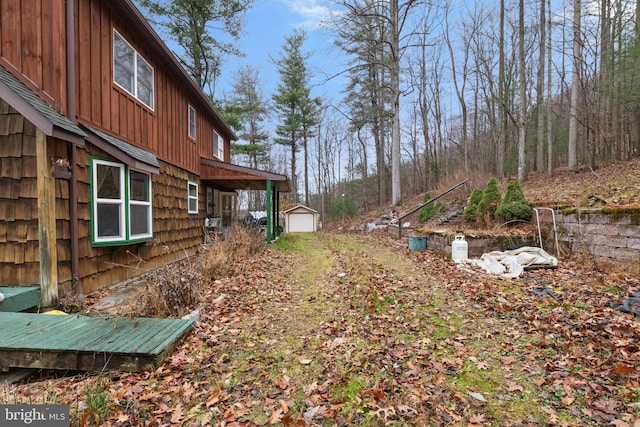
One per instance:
(355, 329)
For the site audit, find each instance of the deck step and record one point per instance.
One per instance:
(19, 298)
(74, 342)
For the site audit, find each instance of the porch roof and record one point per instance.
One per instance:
(236, 177)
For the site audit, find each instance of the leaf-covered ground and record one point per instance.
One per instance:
(355, 329)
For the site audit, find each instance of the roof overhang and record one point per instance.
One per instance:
(128, 154)
(37, 111)
(236, 177)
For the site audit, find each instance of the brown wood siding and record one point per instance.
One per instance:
(19, 246)
(176, 233)
(103, 104)
(33, 42)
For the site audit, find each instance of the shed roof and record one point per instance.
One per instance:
(235, 177)
(36, 110)
(130, 154)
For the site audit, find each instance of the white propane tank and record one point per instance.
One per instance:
(206, 222)
(459, 248)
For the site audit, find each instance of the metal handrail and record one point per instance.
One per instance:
(400, 218)
(555, 229)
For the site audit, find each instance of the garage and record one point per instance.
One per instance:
(300, 219)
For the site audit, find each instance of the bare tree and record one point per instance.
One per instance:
(575, 87)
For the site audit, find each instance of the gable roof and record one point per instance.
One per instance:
(38, 112)
(300, 208)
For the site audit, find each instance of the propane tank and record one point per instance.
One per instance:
(206, 222)
(459, 248)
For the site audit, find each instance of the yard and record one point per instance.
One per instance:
(355, 329)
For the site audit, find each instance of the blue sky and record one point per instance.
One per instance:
(266, 26)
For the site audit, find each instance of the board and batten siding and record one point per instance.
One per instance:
(162, 130)
(32, 42)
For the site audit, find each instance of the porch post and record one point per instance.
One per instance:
(46, 224)
(269, 208)
(278, 228)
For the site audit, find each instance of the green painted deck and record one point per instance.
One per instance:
(19, 298)
(73, 342)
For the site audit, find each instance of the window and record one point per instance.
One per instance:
(121, 204)
(192, 197)
(218, 146)
(192, 122)
(131, 71)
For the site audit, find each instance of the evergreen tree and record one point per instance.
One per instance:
(245, 110)
(292, 100)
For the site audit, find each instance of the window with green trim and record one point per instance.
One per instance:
(121, 208)
(192, 197)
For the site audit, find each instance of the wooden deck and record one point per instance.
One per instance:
(19, 298)
(73, 342)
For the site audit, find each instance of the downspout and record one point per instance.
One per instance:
(71, 114)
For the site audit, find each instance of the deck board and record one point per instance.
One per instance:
(18, 298)
(75, 342)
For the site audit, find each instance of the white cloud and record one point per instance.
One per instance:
(313, 12)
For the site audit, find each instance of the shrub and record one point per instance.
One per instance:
(471, 209)
(170, 291)
(491, 199)
(429, 211)
(514, 206)
(343, 207)
(228, 257)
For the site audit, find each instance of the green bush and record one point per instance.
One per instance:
(429, 211)
(491, 199)
(343, 207)
(514, 206)
(471, 209)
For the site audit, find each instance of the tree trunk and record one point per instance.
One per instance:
(522, 120)
(396, 194)
(575, 88)
(540, 88)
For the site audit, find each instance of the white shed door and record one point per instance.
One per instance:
(301, 222)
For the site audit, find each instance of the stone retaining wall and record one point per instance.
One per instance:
(441, 242)
(606, 239)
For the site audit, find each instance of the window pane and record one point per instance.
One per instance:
(193, 190)
(108, 217)
(216, 141)
(123, 60)
(193, 205)
(108, 182)
(139, 186)
(123, 77)
(140, 220)
(145, 82)
(192, 122)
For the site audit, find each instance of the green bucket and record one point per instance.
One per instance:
(417, 243)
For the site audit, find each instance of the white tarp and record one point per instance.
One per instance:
(511, 264)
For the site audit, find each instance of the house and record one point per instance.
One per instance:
(300, 219)
(111, 157)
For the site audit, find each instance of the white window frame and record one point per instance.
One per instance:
(124, 203)
(192, 122)
(138, 61)
(218, 146)
(192, 199)
(141, 203)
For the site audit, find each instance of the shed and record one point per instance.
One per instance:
(300, 219)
